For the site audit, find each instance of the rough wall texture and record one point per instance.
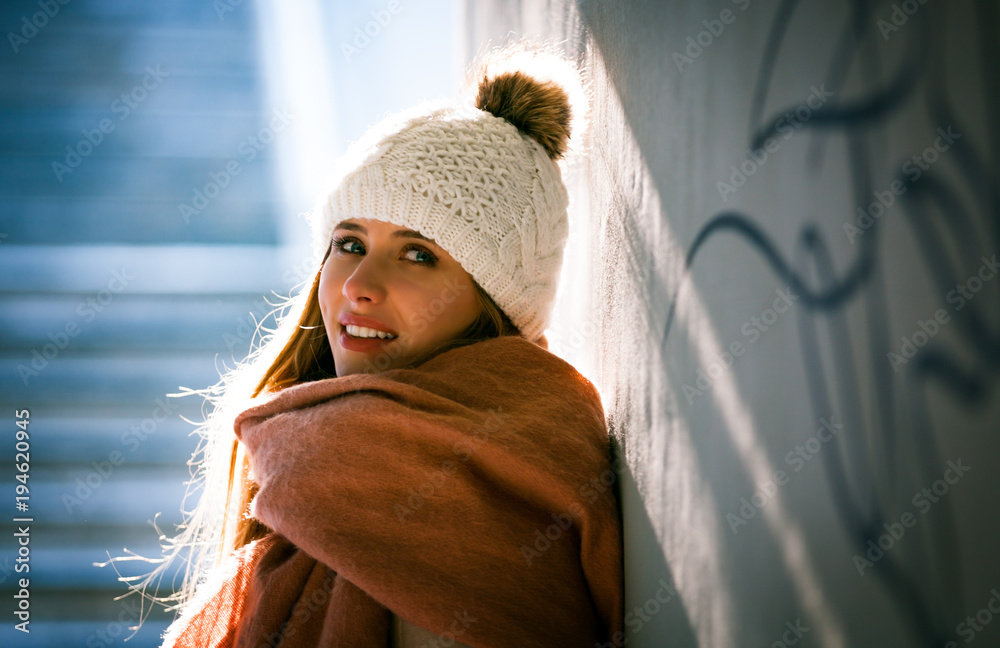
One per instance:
(799, 221)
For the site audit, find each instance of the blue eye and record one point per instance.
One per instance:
(338, 243)
(430, 258)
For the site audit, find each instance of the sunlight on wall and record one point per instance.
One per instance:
(696, 558)
(572, 333)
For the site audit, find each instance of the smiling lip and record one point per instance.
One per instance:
(352, 343)
(358, 320)
(363, 345)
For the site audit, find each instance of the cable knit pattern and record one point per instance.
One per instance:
(484, 191)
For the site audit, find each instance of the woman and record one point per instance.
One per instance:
(411, 466)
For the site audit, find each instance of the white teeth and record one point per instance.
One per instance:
(364, 331)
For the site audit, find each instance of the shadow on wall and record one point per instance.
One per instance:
(654, 609)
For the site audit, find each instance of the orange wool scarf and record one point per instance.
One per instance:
(468, 495)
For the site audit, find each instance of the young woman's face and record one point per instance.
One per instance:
(391, 279)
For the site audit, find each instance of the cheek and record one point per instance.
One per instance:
(329, 289)
(465, 294)
(463, 306)
(422, 310)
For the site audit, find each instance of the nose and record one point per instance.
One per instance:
(366, 282)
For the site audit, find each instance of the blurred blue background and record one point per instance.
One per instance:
(156, 159)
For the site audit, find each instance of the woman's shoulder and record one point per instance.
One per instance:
(516, 366)
(509, 355)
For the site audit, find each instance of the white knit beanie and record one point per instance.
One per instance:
(472, 181)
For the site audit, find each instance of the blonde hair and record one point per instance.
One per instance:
(295, 351)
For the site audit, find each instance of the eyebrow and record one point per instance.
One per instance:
(400, 233)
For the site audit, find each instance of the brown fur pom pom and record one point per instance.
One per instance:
(540, 109)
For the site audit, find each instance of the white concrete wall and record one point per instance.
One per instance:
(756, 480)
